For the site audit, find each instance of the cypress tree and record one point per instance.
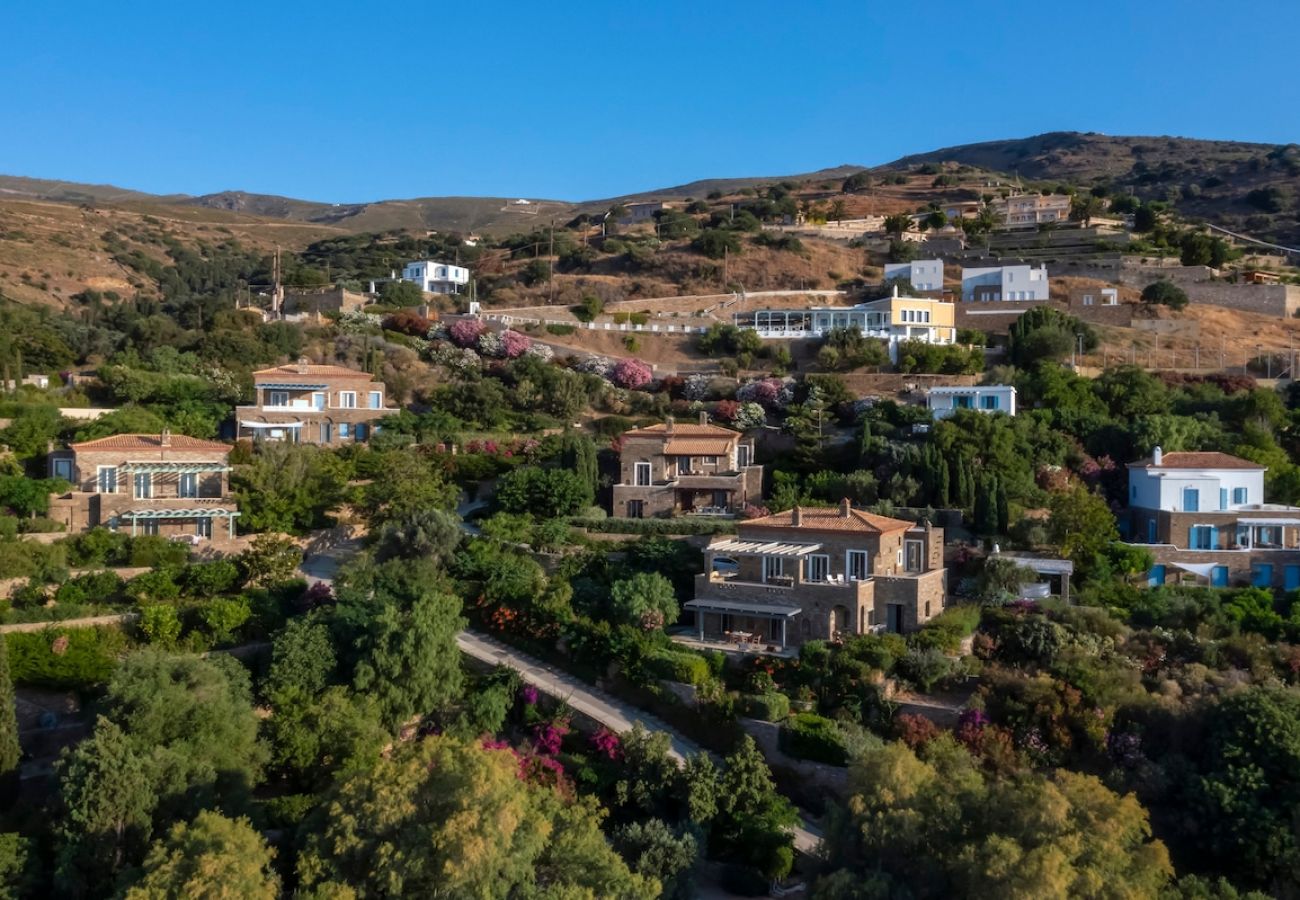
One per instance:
(943, 487)
(981, 514)
(1004, 515)
(9, 749)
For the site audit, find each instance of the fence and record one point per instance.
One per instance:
(506, 319)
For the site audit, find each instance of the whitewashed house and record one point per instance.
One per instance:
(436, 277)
(994, 283)
(989, 398)
(924, 274)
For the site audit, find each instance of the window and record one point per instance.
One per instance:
(915, 556)
(319, 400)
(278, 398)
(203, 528)
(360, 432)
(743, 454)
(683, 465)
(1239, 495)
(817, 567)
(1223, 498)
(710, 460)
(376, 399)
(963, 402)
(635, 509)
(1191, 500)
(1087, 299)
(63, 469)
(345, 431)
(641, 474)
(989, 401)
(1202, 537)
(347, 399)
(773, 567)
(858, 565)
(189, 485)
(143, 486)
(326, 432)
(149, 526)
(107, 479)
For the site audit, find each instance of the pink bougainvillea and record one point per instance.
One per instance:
(548, 736)
(514, 344)
(607, 743)
(466, 332)
(631, 373)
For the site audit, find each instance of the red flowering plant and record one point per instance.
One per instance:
(466, 332)
(607, 744)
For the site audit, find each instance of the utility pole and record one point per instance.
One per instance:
(550, 261)
(277, 294)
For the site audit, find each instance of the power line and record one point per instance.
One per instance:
(1243, 237)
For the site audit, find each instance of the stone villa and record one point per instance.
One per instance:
(678, 468)
(820, 573)
(311, 404)
(164, 484)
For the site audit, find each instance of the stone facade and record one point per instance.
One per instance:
(310, 404)
(675, 468)
(172, 486)
(820, 574)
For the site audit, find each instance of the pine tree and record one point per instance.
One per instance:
(9, 750)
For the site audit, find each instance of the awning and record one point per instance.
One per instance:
(1274, 520)
(289, 386)
(164, 467)
(764, 548)
(203, 513)
(1201, 569)
(1041, 564)
(756, 608)
(243, 424)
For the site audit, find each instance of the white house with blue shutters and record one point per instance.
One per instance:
(1204, 516)
(988, 398)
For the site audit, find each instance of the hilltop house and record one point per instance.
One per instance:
(1035, 209)
(310, 404)
(1205, 514)
(170, 485)
(992, 398)
(678, 468)
(819, 573)
(923, 274)
(436, 277)
(892, 319)
(1004, 283)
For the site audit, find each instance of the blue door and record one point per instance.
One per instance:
(1157, 576)
(1291, 578)
(1191, 500)
(1151, 531)
(1262, 575)
(1219, 576)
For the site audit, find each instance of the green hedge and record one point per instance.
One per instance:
(772, 706)
(655, 526)
(814, 737)
(560, 330)
(678, 665)
(40, 658)
(947, 630)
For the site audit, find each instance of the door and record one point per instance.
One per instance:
(1157, 576)
(143, 486)
(1219, 576)
(1191, 500)
(203, 528)
(326, 432)
(858, 566)
(318, 400)
(817, 567)
(1151, 531)
(641, 474)
(894, 618)
(914, 555)
(1291, 578)
(1262, 575)
(635, 509)
(189, 485)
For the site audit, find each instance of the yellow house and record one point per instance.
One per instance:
(893, 319)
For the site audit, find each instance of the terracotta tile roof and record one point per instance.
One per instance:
(142, 442)
(681, 429)
(294, 370)
(833, 518)
(1207, 460)
(697, 447)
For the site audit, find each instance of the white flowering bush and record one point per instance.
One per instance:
(540, 351)
(354, 321)
(696, 387)
(595, 365)
(457, 359)
(437, 333)
(749, 415)
(489, 344)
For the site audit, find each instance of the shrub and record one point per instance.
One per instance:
(679, 665)
(466, 332)
(772, 706)
(93, 587)
(925, 667)
(210, 578)
(561, 330)
(609, 525)
(1165, 293)
(160, 624)
(631, 374)
(65, 658)
(157, 586)
(814, 737)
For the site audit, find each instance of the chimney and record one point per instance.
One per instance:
(1157, 456)
(895, 290)
(668, 425)
(845, 508)
(796, 516)
(165, 438)
(704, 417)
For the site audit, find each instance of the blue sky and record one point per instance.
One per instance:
(573, 100)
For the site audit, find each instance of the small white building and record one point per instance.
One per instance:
(996, 283)
(924, 274)
(989, 398)
(436, 277)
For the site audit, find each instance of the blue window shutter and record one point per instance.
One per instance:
(1223, 498)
